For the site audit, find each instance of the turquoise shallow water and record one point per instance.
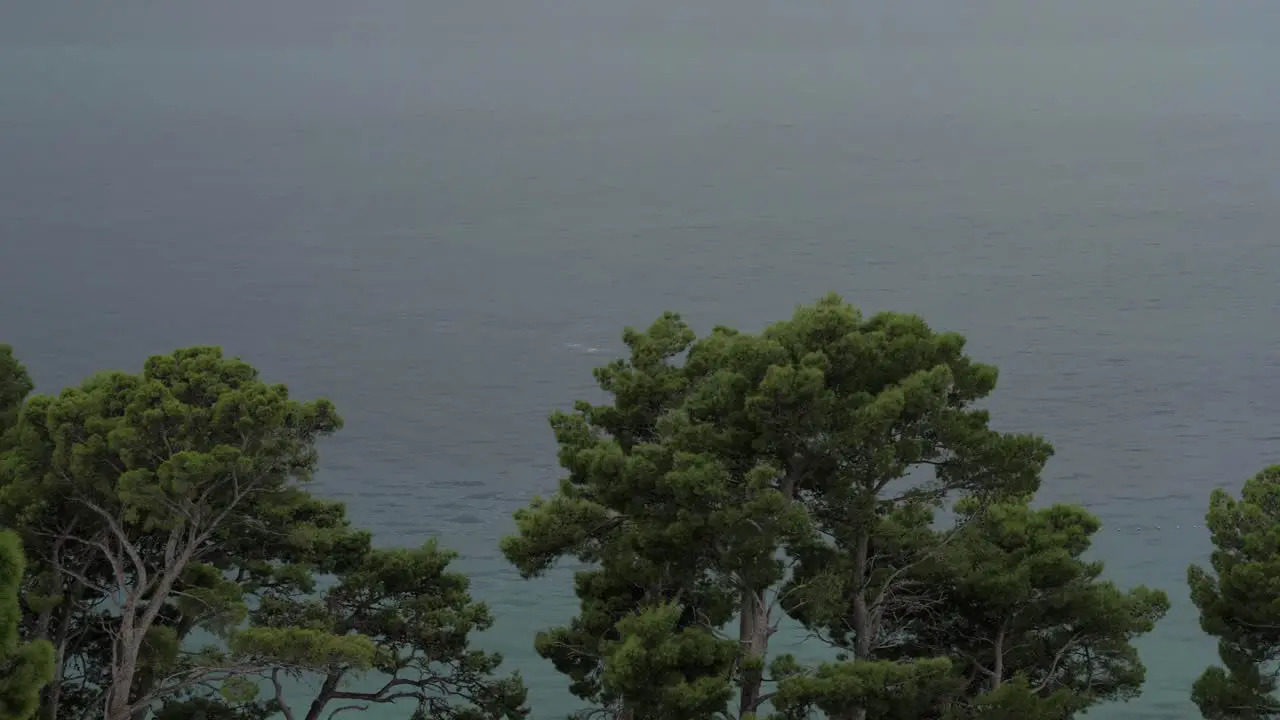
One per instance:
(441, 215)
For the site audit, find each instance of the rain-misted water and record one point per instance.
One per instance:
(441, 214)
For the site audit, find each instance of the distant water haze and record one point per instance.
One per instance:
(441, 214)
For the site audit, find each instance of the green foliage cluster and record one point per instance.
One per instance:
(25, 667)
(738, 479)
(1239, 602)
(177, 567)
(162, 558)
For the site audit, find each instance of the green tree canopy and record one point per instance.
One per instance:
(417, 618)
(15, 384)
(1020, 603)
(177, 566)
(741, 472)
(141, 497)
(168, 508)
(1239, 601)
(25, 668)
(653, 542)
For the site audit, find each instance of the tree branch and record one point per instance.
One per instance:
(1057, 658)
(140, 568)
(378, 695)
(279, 691)
(193, 677)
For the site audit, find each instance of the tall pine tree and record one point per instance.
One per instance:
(704, 481)
(1239, 601)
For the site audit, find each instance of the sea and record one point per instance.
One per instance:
(441, 214)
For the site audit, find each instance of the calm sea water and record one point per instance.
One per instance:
(441, 214)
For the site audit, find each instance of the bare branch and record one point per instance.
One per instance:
(140, 568)
(183, 680)
(1057, 658)
(117, 568)
(279, 691)
(78, 577)
(383, 694)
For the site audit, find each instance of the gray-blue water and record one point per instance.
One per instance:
(441, 213)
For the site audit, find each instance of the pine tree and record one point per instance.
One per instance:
(1020, 604)
(724, 466)
(1238, 602)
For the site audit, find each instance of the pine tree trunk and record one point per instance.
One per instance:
(753, 627)
(53, 697)
(117, 705)
(54, 586)
(862, 630)
(997, 669)
(322, 697)
(124, 670)
(753, 623)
